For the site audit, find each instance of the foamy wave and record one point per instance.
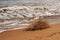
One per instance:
(27, 11)
(17, 17)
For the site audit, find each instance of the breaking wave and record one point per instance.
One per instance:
(18, 17)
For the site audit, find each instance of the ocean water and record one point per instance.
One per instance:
(5, 3)
(19, 11)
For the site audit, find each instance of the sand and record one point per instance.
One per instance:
(52, 33)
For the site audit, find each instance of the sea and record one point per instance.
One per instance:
(14, 14)
(6, 3)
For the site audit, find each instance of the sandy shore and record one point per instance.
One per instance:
(52, 33)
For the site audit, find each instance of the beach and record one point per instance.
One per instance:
(26, 19)
(52, 33)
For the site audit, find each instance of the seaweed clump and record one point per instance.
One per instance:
(38, 25)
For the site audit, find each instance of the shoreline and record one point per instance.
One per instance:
(21, 28)
(51, 33)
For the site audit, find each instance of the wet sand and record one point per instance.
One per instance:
(52, 33)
